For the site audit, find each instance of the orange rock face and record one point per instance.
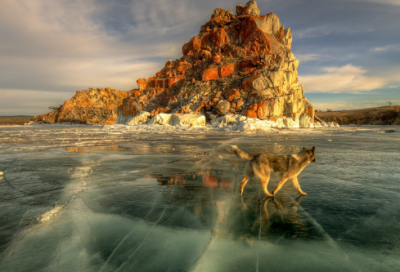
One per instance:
(245, 57)
(142, 83)
(227, 70)
(217, 59)
(250, 113)
(210, 74)
(232, 94)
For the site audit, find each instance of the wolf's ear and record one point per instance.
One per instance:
(313, 148)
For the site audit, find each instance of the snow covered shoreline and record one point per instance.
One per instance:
(236, 122)
(166, 123)
(224, 123)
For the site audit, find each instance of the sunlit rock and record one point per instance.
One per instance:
(92, 106)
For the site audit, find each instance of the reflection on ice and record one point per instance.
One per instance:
(171, 203)
(51, 214)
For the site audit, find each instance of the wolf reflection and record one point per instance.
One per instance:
(214, 199)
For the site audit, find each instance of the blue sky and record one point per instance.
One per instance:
(349, 49)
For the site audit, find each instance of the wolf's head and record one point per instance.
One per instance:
(311, 152)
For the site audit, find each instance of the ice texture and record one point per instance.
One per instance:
(165, 198)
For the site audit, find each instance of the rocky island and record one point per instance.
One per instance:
(239, 65)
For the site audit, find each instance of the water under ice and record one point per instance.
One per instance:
(92, 199)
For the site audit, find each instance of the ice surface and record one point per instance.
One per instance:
(165, 198)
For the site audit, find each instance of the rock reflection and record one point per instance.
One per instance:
(91, 149)
(214, 202)
(277, 217)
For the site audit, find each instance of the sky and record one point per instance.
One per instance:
(349, 50)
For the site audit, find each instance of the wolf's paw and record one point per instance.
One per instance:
(303, 193)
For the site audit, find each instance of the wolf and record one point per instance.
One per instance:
(262, 165)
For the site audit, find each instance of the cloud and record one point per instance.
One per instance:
(345, 79)
(385, 2)
(390, 47)
(319, 31)
(307, 57)
(335, 105)
(160, 17)
(30, 102)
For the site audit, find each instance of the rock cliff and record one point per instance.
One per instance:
(238, 64)
(92, 106)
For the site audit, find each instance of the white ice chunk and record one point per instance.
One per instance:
(305, 121)
(227, 120)
(256, 125)
(192, 120)
(317, 124)
(142, 118)
(247, 124)
(332, 124)
(290, 123)
(161, 119)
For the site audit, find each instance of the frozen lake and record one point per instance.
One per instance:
(92, 199)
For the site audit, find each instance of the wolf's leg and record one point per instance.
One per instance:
(245, 179)
(248, 174)
(297, 185)
(280, 184)
(264, 184)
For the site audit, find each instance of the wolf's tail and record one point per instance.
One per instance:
(241, 154)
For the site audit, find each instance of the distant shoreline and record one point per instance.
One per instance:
(14, 120)
(387, 115)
